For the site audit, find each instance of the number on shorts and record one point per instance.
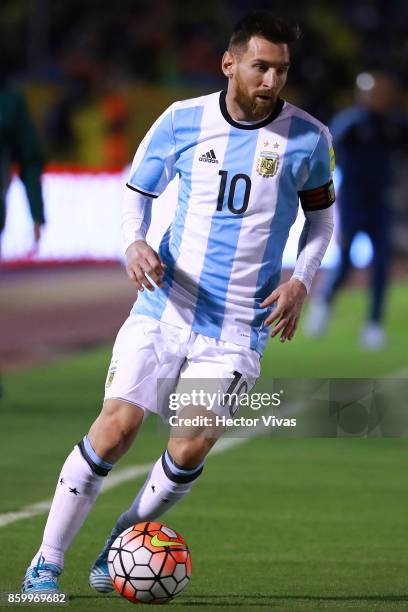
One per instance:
(232, 389)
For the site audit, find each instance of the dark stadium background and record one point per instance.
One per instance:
(95, 75)
(81, 51)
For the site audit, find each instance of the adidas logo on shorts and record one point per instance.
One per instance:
(209, 157)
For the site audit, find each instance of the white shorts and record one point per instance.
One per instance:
(153, 362)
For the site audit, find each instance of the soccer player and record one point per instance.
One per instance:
(245, 158)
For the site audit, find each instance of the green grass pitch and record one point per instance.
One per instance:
(284, 524)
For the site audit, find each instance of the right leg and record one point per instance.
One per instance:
(78, 485)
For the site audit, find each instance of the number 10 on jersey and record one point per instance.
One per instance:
(230, 200)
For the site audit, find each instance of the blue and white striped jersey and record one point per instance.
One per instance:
(238, 196)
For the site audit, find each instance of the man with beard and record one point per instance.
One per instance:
(244, 158)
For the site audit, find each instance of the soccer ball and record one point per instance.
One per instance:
(149, 563)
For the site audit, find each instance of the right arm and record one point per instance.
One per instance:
(152, 170)
(141, 259)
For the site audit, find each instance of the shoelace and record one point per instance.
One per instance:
(43, 574)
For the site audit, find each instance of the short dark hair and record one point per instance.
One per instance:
(265, 25)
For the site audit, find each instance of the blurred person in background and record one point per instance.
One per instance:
(367, 138)
(19, 145)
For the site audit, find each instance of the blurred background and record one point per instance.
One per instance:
(95, 75)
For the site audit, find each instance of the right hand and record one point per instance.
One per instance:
(141, 259)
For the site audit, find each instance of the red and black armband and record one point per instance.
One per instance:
(318, 198)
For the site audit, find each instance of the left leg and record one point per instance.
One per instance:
(171, 478)
(189, 452)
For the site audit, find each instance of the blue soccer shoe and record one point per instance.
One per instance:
(41, 578)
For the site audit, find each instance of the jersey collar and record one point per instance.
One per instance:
(242, 126)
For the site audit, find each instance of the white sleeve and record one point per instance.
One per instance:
(313, 242)
(136, 216)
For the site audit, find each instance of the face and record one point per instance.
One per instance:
(256, 76)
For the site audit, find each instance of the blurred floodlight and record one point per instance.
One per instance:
(365, 81)
(361, 252)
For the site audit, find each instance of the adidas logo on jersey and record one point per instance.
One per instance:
(209, 157)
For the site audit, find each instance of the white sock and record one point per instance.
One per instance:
(77, 489)
(166, 485)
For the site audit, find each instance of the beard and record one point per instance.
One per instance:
(254, 109)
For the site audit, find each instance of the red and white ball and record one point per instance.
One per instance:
(149, 563)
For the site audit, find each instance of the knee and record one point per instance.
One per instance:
(120, 422)
(114, 429)
(189, 452)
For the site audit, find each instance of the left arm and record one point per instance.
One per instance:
(313, 242)
(316, 198)
(290, 296)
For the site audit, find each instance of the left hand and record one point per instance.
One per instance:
(289, 298)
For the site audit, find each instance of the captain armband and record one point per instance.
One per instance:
(318, 198)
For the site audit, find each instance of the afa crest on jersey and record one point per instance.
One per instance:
(111, 373)
(267, 164)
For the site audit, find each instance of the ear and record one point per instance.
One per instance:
(227, 64)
